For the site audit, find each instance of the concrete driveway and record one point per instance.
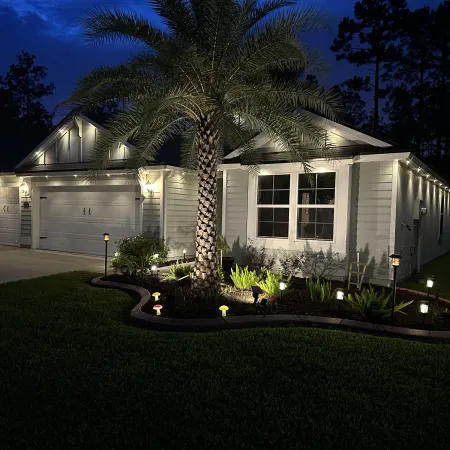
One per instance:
(21, 263)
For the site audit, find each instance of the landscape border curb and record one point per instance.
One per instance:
(142, 319)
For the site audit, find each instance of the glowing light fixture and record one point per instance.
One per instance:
(224, 309)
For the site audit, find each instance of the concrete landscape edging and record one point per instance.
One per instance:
(154, 322)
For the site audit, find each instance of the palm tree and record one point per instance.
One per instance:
(212, 72)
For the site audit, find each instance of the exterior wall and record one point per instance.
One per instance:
(371, 218)
(10, 210)
(234, 210)
(152, 204)
(417, 236)
(181, 192)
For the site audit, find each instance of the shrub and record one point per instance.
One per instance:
(177, 271)
(319, 290)
(257, 258)
(271, 282)
(244, 278)
(136, 254)
(371, 305)
(311, 264)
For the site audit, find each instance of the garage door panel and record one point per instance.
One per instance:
(9, 216)
(75, 220)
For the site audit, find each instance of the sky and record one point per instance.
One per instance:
(48, 29)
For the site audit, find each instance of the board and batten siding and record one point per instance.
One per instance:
(370, 218)
(151, 207)
(181, 193)
(235, 209)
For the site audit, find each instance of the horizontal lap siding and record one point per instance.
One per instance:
(236, 210)
(372, 205)
(181, 214)
(151, 208)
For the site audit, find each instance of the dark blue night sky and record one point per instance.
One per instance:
(48, 29)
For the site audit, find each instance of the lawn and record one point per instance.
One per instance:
(74, 374)
(439, 269)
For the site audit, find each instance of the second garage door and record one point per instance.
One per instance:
(73, 219)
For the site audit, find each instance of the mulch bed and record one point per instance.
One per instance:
(177, 303)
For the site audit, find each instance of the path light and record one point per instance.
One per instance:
(106, 239)
(339, 297)
(282, 286)
(224, 309)
(430, 283)
(184, 254)
(396, 259)
(423, 305)
(116, 254)
(156, 295)
(158, 309)
(156, 255)
(154, 269)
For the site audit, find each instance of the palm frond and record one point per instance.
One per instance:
(103, 25)
(189, 149)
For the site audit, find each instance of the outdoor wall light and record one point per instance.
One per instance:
(423, 305)
(24, 188)
(396, 259)
(150, 188)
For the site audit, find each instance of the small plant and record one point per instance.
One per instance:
(371, 305)
(244, 278)
(222, 245)
(271, 282)
(178, 271)
(257, 258)
(136, 255)
(319, 291)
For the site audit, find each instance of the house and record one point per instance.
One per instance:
(371, 200)
(60, 209)
(365, 199)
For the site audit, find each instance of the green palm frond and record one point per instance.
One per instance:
(105, 25)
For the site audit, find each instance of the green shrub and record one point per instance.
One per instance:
(319, 290)
(244, 278)
(136, 254)
(371, 305)
(271, 282)
(177, 271)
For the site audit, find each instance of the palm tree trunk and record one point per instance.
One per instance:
(206, 269)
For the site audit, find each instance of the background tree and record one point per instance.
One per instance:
(208, 75)
(24, 88)
(375, 27)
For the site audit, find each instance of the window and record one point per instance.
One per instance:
(441, 222)
(315, 217)
(273, 205)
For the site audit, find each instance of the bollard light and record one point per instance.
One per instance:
(184, 254)
(396, 260)
(282, 286)
(106, 239)
(339, 298)
(424, 305)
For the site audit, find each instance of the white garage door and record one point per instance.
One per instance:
(9, 215)
(73, 219)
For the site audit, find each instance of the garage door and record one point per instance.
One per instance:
(9, 215)
(73, 219)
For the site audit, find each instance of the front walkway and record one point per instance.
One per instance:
(21, 263)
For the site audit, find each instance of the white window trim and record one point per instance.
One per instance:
(293, 208)
(287, 206)
(334, 207)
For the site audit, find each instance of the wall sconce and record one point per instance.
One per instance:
(150, 188)
(24, 188)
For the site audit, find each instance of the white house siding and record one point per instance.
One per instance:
(422, 243)
(151, 208)
(234, 210)
(181, 193)
(9, 210)
(370, 224)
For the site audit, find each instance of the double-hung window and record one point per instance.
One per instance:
(315, 206)
(273, 206)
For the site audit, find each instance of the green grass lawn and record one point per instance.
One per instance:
(439, 268)
(75, 375)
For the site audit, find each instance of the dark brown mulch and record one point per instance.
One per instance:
(177, 302)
